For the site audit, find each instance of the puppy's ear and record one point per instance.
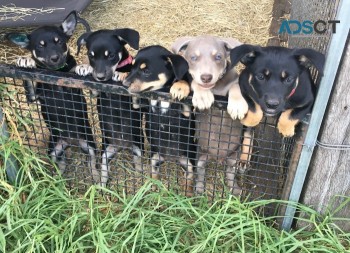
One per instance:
(69, 23)
(84, 23)
(82, 40)
(230, 43)
(180, 45)
(179, 64)
(308, 57)
(19, 39)
(244, 53)
(128, 36)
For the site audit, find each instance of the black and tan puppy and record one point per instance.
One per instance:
(64, 109)
(277, 82)
(120, 123)
(107, 53)
(169, 125)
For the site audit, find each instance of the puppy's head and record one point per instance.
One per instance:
(48, 44)
(153, 68)
(274, 73)
(106, 48)
(207, 57)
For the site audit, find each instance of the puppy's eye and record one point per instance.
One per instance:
(91, 55)
(41, 45)
(194, 58)
(146, 72)
(289, 80)
(260, 76)
(111, 56)
(218, 57)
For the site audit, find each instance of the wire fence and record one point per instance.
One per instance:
(135, 140)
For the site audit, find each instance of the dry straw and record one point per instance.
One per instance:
(12, 12)
(161, 22)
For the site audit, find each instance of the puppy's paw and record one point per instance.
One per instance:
(180, 90)
(83, 70)
(122, 76)
(286, 124)
(243, 166)
(186, 111)
(242, 172)
(286, 130)
(237, 108)
(119, 76)
(203, 99)
(25, 62)
(135, 102)
(253, 119)
(94, 93)
(199, 187)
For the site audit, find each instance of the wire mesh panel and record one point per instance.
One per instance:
(55, 123)
(119, 140)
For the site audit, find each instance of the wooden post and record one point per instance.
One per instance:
(329, 172)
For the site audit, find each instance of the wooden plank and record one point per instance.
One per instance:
(279, 10)
(329, 172)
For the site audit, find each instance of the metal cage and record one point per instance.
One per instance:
(264, 177)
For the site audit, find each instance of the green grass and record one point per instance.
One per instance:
(40, 214)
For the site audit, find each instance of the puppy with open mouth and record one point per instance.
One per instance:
(120, 122)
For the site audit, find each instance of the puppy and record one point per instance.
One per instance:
(64, 109)
(219, 137)
(120, 123)
(169, 126)
(210, 71)
(277, 82)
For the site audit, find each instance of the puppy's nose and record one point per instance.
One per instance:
(206, 78)
(101, 76)
(272, 103)
(54, 58)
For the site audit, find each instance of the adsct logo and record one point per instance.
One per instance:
(308, 27)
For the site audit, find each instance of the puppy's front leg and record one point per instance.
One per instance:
(291, 117)
(83, 69)
(180, 90)
(237, 106)
(29, 86)
(286, 124)
(253, 116)
(119, 76)
(202, 98)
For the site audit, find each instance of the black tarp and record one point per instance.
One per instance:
(53, 11)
